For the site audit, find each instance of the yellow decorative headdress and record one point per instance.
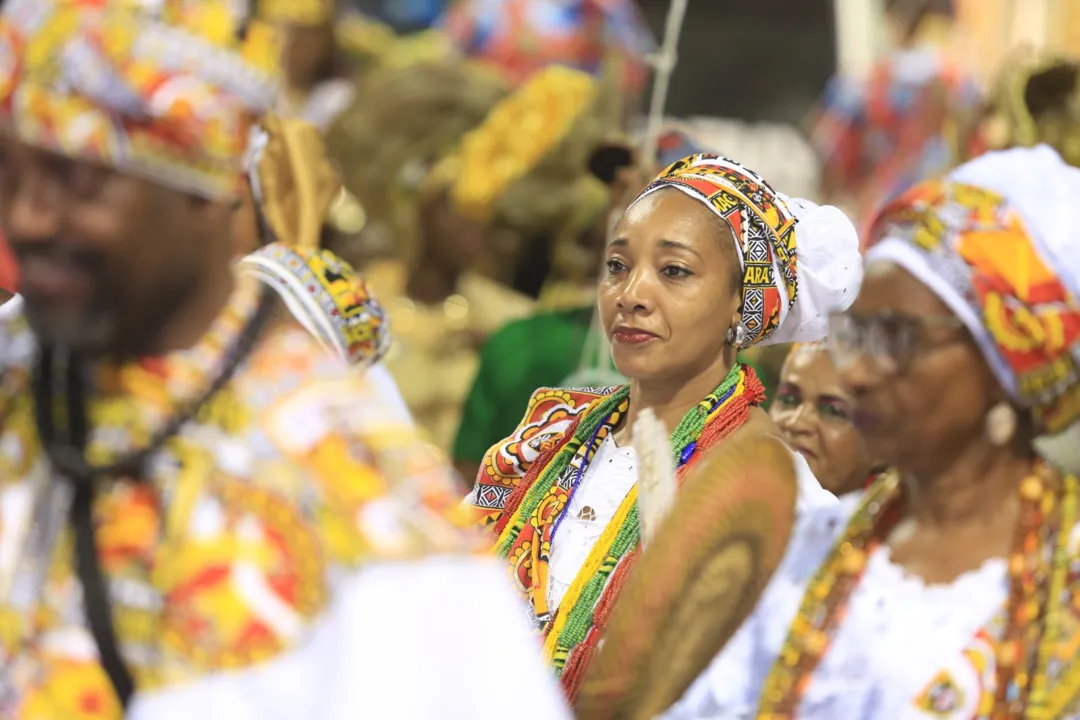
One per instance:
(525, 164)
(166, 94)
(298, 12)
(385, 149)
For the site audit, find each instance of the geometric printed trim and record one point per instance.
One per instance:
(492, 497)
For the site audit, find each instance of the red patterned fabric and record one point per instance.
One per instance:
(9, 269)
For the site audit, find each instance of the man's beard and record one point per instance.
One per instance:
(88, 333)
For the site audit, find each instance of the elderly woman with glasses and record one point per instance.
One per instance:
(951, 588)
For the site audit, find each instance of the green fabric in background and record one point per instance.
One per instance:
(525, 355)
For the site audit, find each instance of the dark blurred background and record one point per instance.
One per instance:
(773, 68)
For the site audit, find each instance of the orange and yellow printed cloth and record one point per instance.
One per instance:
(1000, 267)
(550, 414)
(165, 90)
(234, 544)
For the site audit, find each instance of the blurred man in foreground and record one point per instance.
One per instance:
(194, 494)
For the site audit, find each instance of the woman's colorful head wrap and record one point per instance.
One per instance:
(789, 285)
(164, 90)
(996, 241)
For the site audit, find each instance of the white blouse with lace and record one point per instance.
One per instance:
(904, 649)
(606, 481)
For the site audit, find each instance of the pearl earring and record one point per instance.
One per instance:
(1001, 424)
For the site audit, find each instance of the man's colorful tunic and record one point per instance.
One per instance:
(232, 542)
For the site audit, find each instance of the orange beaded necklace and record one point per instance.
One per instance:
(1038, 569)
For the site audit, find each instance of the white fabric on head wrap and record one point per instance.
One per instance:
(1044, 190)
(830, 271)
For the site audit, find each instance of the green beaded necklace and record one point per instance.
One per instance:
(686, 434)
(605, 411)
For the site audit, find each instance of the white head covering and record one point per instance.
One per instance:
(984, 205)
(1044, 190)
(800, 261)
(830, 271)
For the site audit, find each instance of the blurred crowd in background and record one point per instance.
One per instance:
(854, 101)
(843, 101)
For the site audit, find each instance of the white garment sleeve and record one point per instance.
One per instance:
(384, 385)
(11, 308)
(811, 495)
(396, 645)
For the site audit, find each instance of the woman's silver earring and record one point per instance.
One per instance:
(1001, 424)
(736, 336)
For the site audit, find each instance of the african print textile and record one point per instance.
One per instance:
(532, 477)
(763, 227)
(548, 416)
(520, 37)
(878, 137)
(229, 547)
(166, 93)
(1023, 316)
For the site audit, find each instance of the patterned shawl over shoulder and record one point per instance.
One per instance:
(549, 421)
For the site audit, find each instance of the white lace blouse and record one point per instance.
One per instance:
(904, 649)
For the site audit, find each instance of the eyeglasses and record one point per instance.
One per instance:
(789, 399)
(889, 342)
